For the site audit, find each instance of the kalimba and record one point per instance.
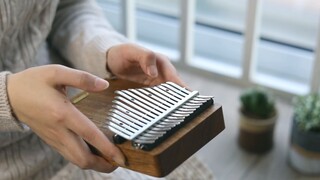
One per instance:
(157, 128)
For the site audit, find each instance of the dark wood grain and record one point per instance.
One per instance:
(168, 155)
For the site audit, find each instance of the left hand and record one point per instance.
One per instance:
(137, 64)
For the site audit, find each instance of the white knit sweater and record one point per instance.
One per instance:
(77, 31)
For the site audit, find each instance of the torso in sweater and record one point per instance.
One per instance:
(24, 27)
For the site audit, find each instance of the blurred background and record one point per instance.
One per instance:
(223, 47)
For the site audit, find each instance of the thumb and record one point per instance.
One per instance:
(78, 79)
(147, 59)
(151, 67)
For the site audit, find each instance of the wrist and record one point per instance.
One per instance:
(110, 74)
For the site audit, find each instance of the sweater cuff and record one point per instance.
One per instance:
(7, 121)
(98, 49)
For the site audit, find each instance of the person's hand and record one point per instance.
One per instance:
(38, 99)
(137, 64)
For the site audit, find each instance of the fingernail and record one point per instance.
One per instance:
(152, 71)
(120, 160)
(101, 83)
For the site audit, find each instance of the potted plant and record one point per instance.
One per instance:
(257, 120)
(304, 150)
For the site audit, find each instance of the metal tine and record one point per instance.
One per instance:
(130, 114)
(197, 102)
(124, 124)
(156, 128)
(151, 133)
(160, 96)
(148, 98)
(163, 102)
(187, 110)
(178, 111)
(201, 99)
(143, 115)
(137, 104)
(125, 116)
(119, 133)
(168, 123)
(178, 87)
(164, 125)
(175, 118)
(144, 141)
(193, 104)
(161, 126)
(189, 106)
(154, 133)
(166, 94)
(121, 129)
(145, 100)
(177, 91)
(177, 115)
(145, 138)
(172, 91)
(204, 97)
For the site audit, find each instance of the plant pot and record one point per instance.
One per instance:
(256, 135)
(304, 151)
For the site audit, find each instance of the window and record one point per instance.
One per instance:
(218, 34)
(158, 26)
(113, 12)
(286, 50)
(281, 54)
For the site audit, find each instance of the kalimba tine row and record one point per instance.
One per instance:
(157, 128)
(146, 116)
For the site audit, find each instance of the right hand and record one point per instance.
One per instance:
(38, 99)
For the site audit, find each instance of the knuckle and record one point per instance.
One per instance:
(89, 135)
(149, 55)
(111, 153)
(57, 113)
(54, 70)
(84, 163)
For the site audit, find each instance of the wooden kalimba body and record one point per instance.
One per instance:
(154, 153)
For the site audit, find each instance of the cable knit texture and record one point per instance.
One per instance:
(33, 33)
(8, 122)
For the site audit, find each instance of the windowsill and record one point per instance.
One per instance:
(216, 66)
(281, 84)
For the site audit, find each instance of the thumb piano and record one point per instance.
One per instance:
(157, 128)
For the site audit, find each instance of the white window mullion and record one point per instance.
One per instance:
(252, 31)
(315, 82)
(128, 19)
(187, 30)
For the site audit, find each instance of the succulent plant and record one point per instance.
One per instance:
(257, 103)
(307, 112)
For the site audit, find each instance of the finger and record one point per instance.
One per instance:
(62, 75)
(79, 154)
(169, 72)
(145, 58)
(88, 131)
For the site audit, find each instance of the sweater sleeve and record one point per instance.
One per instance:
(83, 36)
(7, 121)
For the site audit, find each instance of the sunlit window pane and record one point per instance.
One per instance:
(219, 36)
(286, 48)
(112, 11)
(158, 25)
